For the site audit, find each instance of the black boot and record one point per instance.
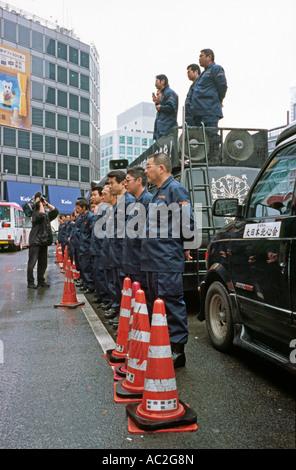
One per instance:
(178, 355)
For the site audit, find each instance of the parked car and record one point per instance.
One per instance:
(248, 297)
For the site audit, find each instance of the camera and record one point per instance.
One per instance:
(42, 199)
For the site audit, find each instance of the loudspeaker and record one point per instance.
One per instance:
(121, 164)
(195, 145)
(241, 148)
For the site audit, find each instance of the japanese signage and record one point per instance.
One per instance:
(15, 88)
(262, 230)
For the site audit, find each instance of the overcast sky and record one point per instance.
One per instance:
(254, 40)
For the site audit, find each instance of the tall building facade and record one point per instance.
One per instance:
(49, 106)
(134, 134)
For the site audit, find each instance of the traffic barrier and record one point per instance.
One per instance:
(69, 295)
(160, 408)
(66, 259)
(59, 254)
(121, 369)
(76, 273)
(131, 388)
(118, 355)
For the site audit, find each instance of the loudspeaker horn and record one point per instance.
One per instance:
(239, 145)
(196, 144)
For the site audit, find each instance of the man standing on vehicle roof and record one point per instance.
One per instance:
(167, 107)
(193, 72)
(163, 252)
(209, 91)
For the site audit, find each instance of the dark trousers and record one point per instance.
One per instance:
(37, 254)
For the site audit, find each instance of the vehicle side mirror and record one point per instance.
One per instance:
(227, 208)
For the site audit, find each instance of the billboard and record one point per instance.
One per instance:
(15, 88)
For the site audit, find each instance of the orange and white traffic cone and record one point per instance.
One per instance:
(69, 295)
(160, 408)
(121, 369)
(66, 258)
(59, 254)
(76, 274)
(131, 388)
(118, 355)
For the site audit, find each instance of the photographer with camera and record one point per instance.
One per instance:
(40, 239)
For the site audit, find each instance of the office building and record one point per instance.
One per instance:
(49, 109)
(134, 134)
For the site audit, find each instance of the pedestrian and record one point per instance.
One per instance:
(167, 107)
(209, 91)
(62, 238)
(193, 72)
(136, 182)
(40, 238)
(86, 271)
(162, 250)
(116, 180)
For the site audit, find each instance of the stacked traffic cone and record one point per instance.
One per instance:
(59, 253)
(131, 388)
(66, 259)
(76, 273)
(118, 355)
(121, 369)
(69, 295)
(160, 408)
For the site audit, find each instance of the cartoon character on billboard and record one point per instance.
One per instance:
(8, 94)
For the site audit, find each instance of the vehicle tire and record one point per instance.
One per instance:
(219, 317)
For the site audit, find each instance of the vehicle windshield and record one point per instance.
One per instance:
(4, 213)
(273, 193)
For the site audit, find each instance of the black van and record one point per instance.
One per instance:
(248, 297)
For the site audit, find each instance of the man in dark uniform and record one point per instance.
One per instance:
(82, 207)
(193, 72)
(167, 107)
(162, 251)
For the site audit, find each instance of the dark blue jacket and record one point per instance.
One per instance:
(188, 116)
(75, 232)
(62, 235)
(166, 117)
(209, 91)
(164, 252)
(85, 233)
(120, 217)
(106, 230)
(131, 255)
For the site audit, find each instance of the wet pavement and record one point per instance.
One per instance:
(56, 387)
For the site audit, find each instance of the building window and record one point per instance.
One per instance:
(50, 70)
(62, 75)
(129, 140)
(9, 163)
(37, 117)
(50, 144)
(24, 166)
(73, 55)
(137, 140)
(23, 140)
(62, 51)
(62, 123)
(37, 143)
(130, 150)
(85, 174)
(73, 124)
(84, 82)
(50, 169)
(37, 167)
(23, 36)
(84, 150)
(37, 91)
(84, 59)
(37, 41)
(73, 78)
(137, 151)
(50, 46)
(122, 150)
(73, 102)
(9, 31)
(50, 120)
(62, 147)
(144, 141)
(62, 171)
(122, 139)
(74, 149)
(9, 138)
(50, 96)
(62, 99)
(74, 173)
(84, 128)
(84, 105)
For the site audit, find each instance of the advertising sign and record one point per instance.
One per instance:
(15, 88)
